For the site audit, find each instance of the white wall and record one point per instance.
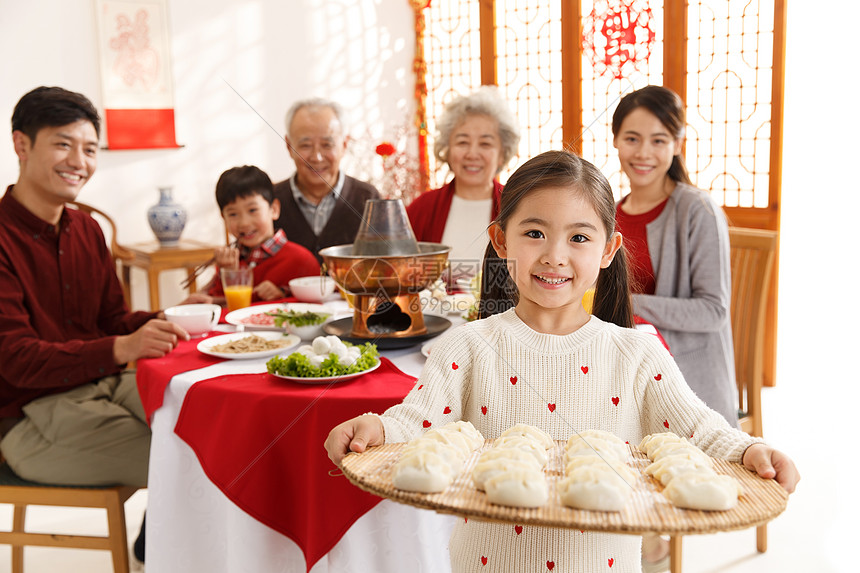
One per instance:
(272, 52)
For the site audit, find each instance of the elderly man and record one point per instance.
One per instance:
(320, 206)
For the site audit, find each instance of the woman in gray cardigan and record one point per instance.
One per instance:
(678, 240)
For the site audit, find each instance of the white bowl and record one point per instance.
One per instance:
(196, 319)
(306, 332)
(312, 289)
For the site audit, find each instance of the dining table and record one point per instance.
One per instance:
(239, 480)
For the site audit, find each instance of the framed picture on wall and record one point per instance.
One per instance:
(136, 74)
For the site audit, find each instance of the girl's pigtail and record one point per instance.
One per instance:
(498, 292)
(612, 302)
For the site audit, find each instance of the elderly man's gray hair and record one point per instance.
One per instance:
(316, 102)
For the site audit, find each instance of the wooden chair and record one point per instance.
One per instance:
(21, 493)
(120, 253)
(753, 252)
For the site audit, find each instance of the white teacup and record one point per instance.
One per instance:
(196, 319)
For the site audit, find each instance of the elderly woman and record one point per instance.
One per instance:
(478, 135)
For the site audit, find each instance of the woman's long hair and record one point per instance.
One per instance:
(559, 169)
(667, 106)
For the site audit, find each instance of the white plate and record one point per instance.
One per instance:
(328, 379)
(205, 346)
(425, 348)
(237, 316)
(458, 304)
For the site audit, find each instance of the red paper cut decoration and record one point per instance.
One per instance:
(618, 36)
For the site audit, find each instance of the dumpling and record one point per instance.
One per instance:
(702, 491)
(451, 455)
(680, 448)
(592, 446)
(470, 432)
(485, 470)
(653, 441)
(600, 434)
(670, 466)
(518, 488)
(508, 454)
(532, 432)
(452, 438)
(423, 471)
(620, 468)
(594, 487)
(522, 443)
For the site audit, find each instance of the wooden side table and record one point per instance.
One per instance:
(154, 258)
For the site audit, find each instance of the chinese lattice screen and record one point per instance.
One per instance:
(564, 64)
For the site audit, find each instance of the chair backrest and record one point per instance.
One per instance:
(118, 251)
(120, 254)
(752, 258)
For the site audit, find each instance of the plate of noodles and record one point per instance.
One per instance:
(248, 345)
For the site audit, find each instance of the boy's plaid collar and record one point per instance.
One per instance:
(269, 248)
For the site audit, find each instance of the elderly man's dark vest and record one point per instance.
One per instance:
(341, 227)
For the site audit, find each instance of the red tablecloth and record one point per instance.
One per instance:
(153, 374)
(260, 441)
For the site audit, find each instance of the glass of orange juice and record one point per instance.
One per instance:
(238, 285)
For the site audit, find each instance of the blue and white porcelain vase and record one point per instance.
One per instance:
(167, 218)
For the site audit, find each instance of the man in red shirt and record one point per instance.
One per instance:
(69, 411)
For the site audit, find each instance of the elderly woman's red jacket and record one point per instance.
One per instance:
(428, 212)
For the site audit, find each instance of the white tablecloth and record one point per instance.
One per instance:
(192, 527)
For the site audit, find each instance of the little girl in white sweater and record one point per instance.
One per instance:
(537, 357)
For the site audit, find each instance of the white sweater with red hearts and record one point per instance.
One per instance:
(498, 372)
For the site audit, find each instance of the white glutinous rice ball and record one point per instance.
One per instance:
(306, 350)
(671, 466)
(683, 448)
(468, 431)
(451, 438)
(488, 469)
(340, 351)
(599, 434)
(532, 432)
(316, 360)
(596, 488)
(703, 491)
(321, 346)
(596, 446)
(352, 354)
(620, 468)
(518, 488)
(423, 471)
(523, 443)
(653, 441)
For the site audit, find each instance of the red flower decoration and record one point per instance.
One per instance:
(385, 149)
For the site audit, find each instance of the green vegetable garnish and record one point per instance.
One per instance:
(298, 365)
(297, 318)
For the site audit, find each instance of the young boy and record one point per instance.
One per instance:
(244, 195)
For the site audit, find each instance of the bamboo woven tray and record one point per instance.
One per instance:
(648, 510)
